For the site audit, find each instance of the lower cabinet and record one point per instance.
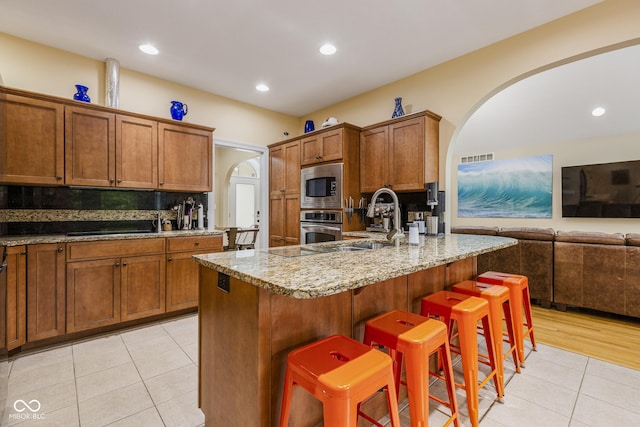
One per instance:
(45, 291)
(93, 294)
(183, 272)
(16, 331)
(114, 289)
(142, 287)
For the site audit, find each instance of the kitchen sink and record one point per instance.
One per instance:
(362, 246)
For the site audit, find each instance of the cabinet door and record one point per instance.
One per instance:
(16, 332)
(45, 291)
(182, 281)
(292, 168)
(136, 152)
(93, 294)
(373, 159)
(331, 145)
(276, 220)
(277, 162)
(310, 150)
(406, 155)
(90, 147)
(292, 219)
(32, 148)
(184, 159)
(142, 287)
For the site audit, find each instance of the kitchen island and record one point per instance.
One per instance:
(258, 305)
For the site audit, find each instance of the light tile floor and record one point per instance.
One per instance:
(148, 377)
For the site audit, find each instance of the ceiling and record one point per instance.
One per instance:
(555, 105)
(227, 47)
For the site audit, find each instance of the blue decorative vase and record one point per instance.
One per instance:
(309, 126)
(398, 111)
(81, 95)
(178, 110)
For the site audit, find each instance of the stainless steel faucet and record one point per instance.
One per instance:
(397, 231)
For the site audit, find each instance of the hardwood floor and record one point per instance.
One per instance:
(605, 337)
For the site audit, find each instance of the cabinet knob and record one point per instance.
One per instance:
(197, 243)
(169, 259)
(60, 250)
(119, 181)
(161, 183)
(59, 178)
(23, 253)
(124, 264)
(112, 180)
(117, 264)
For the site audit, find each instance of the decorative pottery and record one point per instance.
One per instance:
(112, 83)
(330, 121)
(178, 110)
(309, 126)
(81, 95)
(398, 111)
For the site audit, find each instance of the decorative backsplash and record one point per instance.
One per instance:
(55, 210)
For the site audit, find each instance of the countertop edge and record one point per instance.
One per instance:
(374, 275)
(61, 238)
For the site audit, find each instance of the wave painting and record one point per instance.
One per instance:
(514, 188)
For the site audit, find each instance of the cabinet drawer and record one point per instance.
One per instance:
(183, 244)
(114, 249)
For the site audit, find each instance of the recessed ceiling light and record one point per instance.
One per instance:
(262, 87)
(598, 111)
(148, 49)
(328, 49)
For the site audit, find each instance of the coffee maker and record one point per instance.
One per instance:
(435, 201)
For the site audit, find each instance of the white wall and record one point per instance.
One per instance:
(613, 148)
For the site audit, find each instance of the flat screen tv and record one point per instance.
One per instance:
(604, 190)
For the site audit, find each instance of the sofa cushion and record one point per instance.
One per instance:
(528, 233)
(475, 229)
(633, 239)
(591, 237)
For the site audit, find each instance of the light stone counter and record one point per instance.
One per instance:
(297, 272)
(62, 238)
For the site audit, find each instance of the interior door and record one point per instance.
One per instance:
(244, 201)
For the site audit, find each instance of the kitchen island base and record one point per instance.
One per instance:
(246, 332)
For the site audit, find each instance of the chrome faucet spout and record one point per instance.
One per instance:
(397, 231)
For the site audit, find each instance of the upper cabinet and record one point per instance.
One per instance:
(322, 147)
(185, 158)
(54, 141)
(31, 141)
(400, 154)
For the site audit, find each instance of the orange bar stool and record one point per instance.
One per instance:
(498, 298)
(521, 302)
(466, 311)
(416, 338)
(341, 373)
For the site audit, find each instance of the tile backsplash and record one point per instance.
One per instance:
(55, 210)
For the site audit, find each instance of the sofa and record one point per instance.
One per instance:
(531, 257)
(592, 270)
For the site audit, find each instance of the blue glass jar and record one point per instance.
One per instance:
(81, 95)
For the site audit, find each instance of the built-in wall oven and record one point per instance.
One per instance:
(320, 226)
(321, 187)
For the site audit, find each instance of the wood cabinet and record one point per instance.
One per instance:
(45, 291)
(326, 146)
(182, 271)
(400, 154)
(46, 140)
(142, 286)
(185, 158)
(16, 303)
(284, 194)
(113, 281)
(108, 150)
(31, 141)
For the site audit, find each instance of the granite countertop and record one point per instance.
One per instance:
(313, 271)
(63, 238)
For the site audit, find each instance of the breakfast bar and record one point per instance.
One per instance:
(258, 305)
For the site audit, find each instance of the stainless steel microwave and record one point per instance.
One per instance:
(321, 187)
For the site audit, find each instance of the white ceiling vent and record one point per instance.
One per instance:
(477, 158)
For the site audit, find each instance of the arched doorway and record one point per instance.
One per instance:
(244, 194)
